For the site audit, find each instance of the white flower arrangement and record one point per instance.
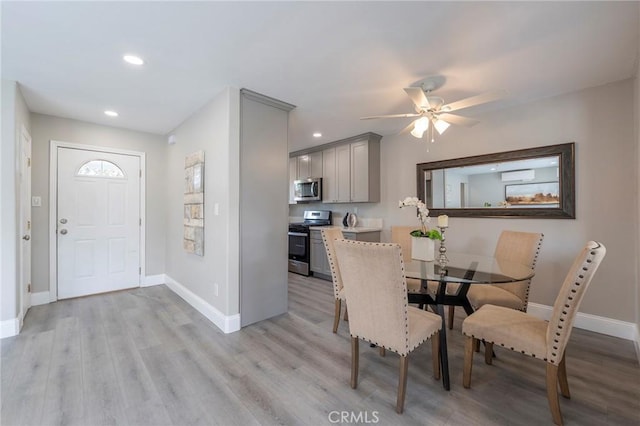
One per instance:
(423, 217)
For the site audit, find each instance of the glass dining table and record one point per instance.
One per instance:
(464, 270)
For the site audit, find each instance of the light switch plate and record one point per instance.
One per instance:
(36, 202)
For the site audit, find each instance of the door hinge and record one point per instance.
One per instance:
(28, 162)
(140, 172)
(29, 288)
(140, 222)
(28, 225)
(140, 270)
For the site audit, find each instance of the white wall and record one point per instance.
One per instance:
(46, 128)
(15, 115)
(213, 129)
(600, 121)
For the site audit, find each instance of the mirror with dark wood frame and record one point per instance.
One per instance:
(535, 182)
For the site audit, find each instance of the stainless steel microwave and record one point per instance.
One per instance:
(307, 189)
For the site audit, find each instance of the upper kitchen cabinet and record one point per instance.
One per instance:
(350, 168)
(310, 165)
(293, 175)
(336, 183)
(304, 166)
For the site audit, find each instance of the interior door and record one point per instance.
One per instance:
(98, 222)
(25, 222)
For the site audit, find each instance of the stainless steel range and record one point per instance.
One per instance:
(299, 246)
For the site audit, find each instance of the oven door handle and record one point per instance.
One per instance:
(298, 234)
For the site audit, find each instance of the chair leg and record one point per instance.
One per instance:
(336, 315)
(562, 377)
(552, 393)
(488, 352)
(468, 361)
(476, 345)
(435, 354)
(355, 355)
(452, 310)
(402, 383)
(346, 314)
(383, 352)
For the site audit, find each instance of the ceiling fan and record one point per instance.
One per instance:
(432, 109)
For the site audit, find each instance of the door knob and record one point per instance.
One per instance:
(26, 237)
(63, 221)
(63, 231)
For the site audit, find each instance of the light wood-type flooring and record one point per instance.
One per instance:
(145, 357)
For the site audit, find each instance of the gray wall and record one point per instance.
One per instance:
(46, 128)
(636, 116)
(14, 115)
(601, 122)
(214, 130)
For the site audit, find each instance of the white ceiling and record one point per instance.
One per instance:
(337, 61)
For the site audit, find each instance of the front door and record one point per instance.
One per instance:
(98, 222)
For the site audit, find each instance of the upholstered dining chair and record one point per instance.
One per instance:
(376, 292)
(521, 332)
(329, 235)
(401, 235)
(512, 246)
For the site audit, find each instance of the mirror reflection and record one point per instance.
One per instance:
(532, 182)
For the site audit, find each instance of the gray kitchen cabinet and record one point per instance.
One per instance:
(310, 165)
(304, 167)
(336, 184)
(351, 171)
(319, 261)
(365, 171)
(293, 175)
(350, 168)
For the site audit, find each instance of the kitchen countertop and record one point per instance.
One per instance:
(356, 230)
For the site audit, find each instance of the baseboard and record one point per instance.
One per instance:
(10, 327)
(151, 280)
(40, 298)
(603, 325)
(228, 324)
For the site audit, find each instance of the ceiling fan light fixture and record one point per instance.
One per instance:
(420, 126)
(441, 126)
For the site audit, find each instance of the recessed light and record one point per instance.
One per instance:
(493, 169)
(317, 135)
(132, 59)
(111, 113)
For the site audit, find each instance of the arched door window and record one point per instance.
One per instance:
(100, 168)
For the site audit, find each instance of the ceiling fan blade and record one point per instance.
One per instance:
(408, 128)
(418, 97)
(390, 116)
(474, 100)
(458, 119)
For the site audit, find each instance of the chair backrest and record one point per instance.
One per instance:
(569, 298)
(376, 291)
(523, 248)
(401, 235)
(329, 235)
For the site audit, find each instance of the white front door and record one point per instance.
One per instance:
(98, 222)
(25, 223)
